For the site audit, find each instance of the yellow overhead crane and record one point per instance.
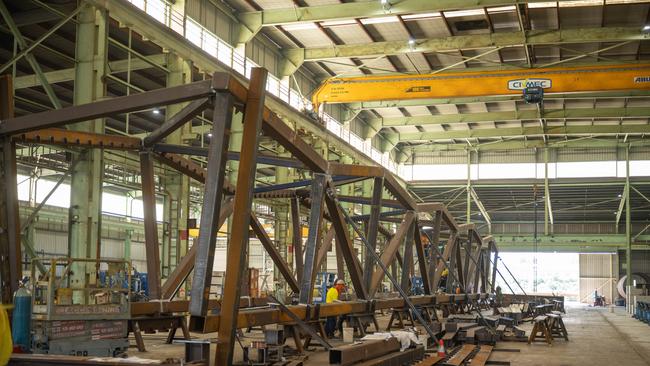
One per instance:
(606, 78)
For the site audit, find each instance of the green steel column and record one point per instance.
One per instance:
(346, 190)
(546, 209)
(628, 223)
(86, 179)
(366, 189)
(127, 244)
(469, 187)
(177, 201)
(282, 223)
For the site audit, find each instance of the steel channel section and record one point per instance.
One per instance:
(259, 231)
(345, 243)
(313, 237)
(373, 230)
(183, 116)
(212, 197)
(494, 269)
(422, 260)
(241, 218)
(296, 238)
(468, 253)
(458, 265)
(57, 136)
(150, 224)
(182, 271)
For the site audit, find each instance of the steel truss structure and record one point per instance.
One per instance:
(425, 231)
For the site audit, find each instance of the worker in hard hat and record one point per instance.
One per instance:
(333, 296)
(443, 278)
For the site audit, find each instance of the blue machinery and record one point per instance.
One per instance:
(324, 280)
(643, 311)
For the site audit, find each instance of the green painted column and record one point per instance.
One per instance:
(469, 187)
(628, 219)
(346, 190)
(86, 179)
(177, 200)
(127, 244)
(281, 233)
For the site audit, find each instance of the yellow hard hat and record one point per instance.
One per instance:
(445, 272)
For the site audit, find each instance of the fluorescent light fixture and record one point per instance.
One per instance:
(501, 9)
(390, 19)
(334, 23)
(549, 4)
(300, 26)
(570, 4)
(421, 16)
(464, 13)
(412, 44)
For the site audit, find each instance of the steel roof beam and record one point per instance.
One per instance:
(528, 131)
(586, 113)
(253, 22)
(295, 57)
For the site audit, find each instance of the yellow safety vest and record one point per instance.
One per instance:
(6, 345)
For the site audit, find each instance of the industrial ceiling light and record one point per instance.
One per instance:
(619, 195)
(156, 111)
(411, 44)
(646, 29)
(385, 4)
(209, 134)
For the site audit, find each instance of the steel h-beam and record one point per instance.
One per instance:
(435, 241)
(10, 271)
(373, 228)
(150, 224)
(313, 237)
(217, 157)
(241, 220)
(296, 239)
(407, 265)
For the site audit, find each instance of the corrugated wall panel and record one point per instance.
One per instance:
(598, 273)
(584, 154)
(210, 17)
(440, 157)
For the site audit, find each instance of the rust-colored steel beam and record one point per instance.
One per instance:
(407, 266)
(212, 197)
(372, 228)
(391, 249)
(345, 242)
(433, 259)
(191, 169)
(422, 259)
(176, 121)
(115, 106)
(296, 237)
(150, 224)
(353, 170)
(185, 267)
(60, 137)
(259, 317)
(399, 192)
(313, 237)
(241, 219)
(10, 251)
(261, 234)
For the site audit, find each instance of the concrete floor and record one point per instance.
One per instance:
(597, 337)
